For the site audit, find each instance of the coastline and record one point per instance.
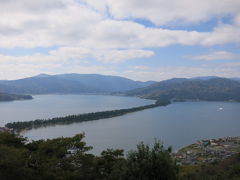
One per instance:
(208, 151)
(18, 127)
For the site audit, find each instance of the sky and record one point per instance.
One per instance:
(138, 39)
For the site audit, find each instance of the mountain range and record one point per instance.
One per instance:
(202, 88)
(210, 88)
(70, 83)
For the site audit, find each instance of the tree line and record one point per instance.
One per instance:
(26, 125)
(69, 159)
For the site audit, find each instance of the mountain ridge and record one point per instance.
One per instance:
(70, 83)
(180, 89)
(197, 88)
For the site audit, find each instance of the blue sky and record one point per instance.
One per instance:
(141, 40)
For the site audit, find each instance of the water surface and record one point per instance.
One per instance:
(178, 124)
(48, 106)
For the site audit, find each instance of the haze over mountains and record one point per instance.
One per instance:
(199, 88)
(71, 83)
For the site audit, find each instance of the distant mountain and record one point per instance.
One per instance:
(12, 97)
(236, 79)
(179, 89)
(71, 83)
(204, 77)
(212, 77)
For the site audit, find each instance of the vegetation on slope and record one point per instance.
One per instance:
(68, 159)
(180, 89)
(18, 126)
(228, 169)
(12, 97)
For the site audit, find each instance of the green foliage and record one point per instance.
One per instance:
(228, 169)
(13, 164)
(10, 139)
(68, 159)
(112, 165)
(146, 163)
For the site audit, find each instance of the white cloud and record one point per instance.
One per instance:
(22, 70)
(173, 11)
(66, 53)
(22, 26)
(16, 71)
(28, 23)
(79, 55)
(106, 30)
(218, 55)
(233, 65)
(164, 73)
(117, 56)
(222, 34)
(142, 73)
(103, 55)
(141, 68)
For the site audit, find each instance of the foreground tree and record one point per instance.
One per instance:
(68, 159)
(147, 163)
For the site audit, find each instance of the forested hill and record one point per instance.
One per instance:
(12, 97)
(180, 89)
(71, 83)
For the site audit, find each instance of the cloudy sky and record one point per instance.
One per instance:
(138, 39)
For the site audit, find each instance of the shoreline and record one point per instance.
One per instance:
(208, 150)
(18, 127)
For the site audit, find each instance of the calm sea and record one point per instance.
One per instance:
(177, 125)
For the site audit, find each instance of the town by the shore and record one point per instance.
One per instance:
(208, 151)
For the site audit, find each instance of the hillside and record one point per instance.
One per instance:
(179, 89)
(52, 159)
(70, 83)
(12, 97)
